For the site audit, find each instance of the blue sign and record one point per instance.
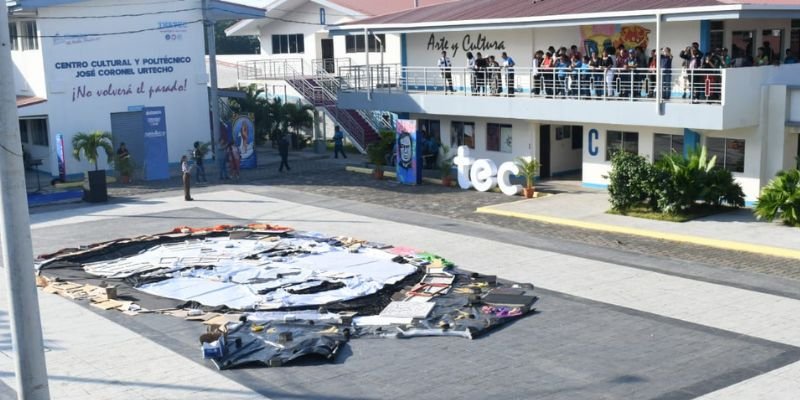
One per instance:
(156, 157)
(244, 133)
(409, 153)
(62, 161)
(593, 135)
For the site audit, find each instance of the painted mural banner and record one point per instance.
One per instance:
(483, 174)
(409, 153)
(244, 139)
(156, 157)
(599, 37)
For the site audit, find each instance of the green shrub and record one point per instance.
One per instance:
(378, 152)
(780, 199)
(631, 181)
(721, 189)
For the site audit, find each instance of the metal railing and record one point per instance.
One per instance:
(329, 65)
(678, 85)
(254, 70)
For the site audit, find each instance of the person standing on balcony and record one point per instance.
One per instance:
(790, 58)
(445, 66)
(471, 69)
(508, 66)
(762, 59)
(536, 72)
(283, 150)
(338, 142)
(548, 73)
(481, 66)
(595, 75)
(609, 73)
(652, 64)
(495, 79)
(693, 61)
(666, 73)
(562, 69)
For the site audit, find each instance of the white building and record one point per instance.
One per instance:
(749, 117)
(82, 66)
(300, 60)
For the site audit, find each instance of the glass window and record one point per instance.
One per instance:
(34, 131)
(665, 144)
(626, 141)
(498, 137)
(288, 44)
(773, 37)
(462, 134)
(742, 45)
(717, 34)
(23, 130)
(355, 43)
(794, 38)
(14, 35)
(729, 153)
(31, 40)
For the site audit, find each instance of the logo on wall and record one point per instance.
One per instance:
(172, 30)
(599, 37)
(408, 153)
(244, 133)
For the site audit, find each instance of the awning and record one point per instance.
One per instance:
(24, 101)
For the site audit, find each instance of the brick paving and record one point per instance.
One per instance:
(328, 177)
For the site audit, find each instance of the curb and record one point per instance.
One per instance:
(696, 240)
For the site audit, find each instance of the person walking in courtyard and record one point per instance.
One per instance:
(338, 142)
(198, 155)
(235, 158)
(186, 171)
(222, 159)
(283, 150)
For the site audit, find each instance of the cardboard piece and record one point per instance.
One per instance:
(407, 309)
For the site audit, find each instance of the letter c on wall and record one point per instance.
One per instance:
(593, 135)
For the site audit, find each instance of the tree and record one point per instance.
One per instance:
(88, 143)
(255, 103)
(234, 44)
(780, 199)
(298, 116)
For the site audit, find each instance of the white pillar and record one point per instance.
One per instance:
(15, 234)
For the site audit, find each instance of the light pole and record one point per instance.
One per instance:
(15, 236)
(211, 38)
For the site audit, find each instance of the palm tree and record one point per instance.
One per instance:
(88, 143)
(298, 116)
(255, 103)
(276, 119)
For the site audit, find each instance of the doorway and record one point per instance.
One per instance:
(328, 62)
(544, 151)
(128, 127)
(773, 38)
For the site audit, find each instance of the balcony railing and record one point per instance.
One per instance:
(678, 85)
(255, 70)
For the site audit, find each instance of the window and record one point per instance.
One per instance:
(429, 128)
(31, 40)
(775, 39)
(498, 137)
(742, 45)
(13, 33)
(462, 134)
(625, 141)
(23, 131)
(355, 43)
(729, 153)
(577, 137)
(23, 35)
(717, 35)
(794, 38)
(288, 44)
(665, 144)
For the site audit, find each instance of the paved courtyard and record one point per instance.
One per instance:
(619, 316)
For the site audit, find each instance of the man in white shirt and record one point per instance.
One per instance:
(186, 169)
(508, 67)
(444, 66)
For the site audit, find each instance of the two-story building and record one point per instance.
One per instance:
(135, 69)
(300, 60)
(573, 119)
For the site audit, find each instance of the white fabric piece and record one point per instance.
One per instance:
(234, 272)
(379, 320)
(308, 315)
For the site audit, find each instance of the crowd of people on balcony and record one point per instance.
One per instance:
(628, 73)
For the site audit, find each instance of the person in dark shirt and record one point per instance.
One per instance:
(283, 150)
(666, 73)
(198, 155)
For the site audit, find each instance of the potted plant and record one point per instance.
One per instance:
(446, 166)
(377, 153)
(528, 167)
(88, 143)
(125, 167)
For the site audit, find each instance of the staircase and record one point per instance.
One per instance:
(319, 88)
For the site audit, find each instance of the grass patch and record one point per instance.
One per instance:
(698, 211)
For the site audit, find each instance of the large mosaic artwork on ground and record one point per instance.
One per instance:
(269, 295)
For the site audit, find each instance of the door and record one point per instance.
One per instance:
(128, 127)
(544, 151)
(327, 56)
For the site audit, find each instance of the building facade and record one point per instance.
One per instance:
(573, 119)
(136, 70)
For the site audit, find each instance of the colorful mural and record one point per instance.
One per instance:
(599, 37)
